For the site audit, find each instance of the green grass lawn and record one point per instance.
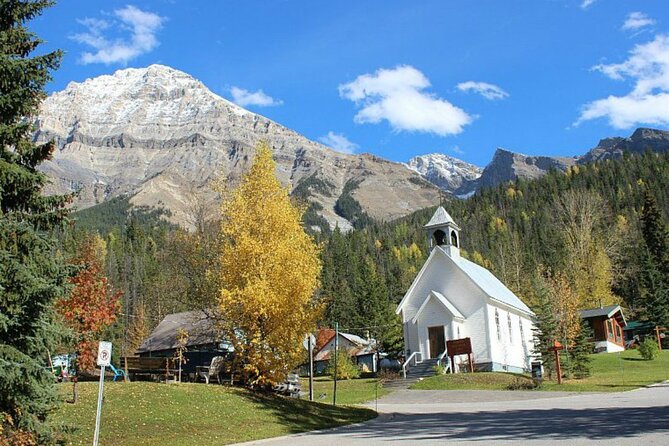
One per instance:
(352, 391)
(611, 372)
(149, 414)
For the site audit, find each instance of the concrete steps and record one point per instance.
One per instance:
(414, 374)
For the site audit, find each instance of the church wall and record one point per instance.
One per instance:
(475, 328)
(433, 315)
(509, 352)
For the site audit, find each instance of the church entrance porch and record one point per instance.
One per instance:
(437, 341)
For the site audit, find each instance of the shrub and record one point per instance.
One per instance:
(345, 367)
(522, 383)
(439, 369)
(649, 349)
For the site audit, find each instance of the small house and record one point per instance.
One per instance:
(363, 351)
(608, 324)
(203, 343)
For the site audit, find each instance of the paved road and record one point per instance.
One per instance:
(638, 418)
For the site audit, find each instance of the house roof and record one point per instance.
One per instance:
(440, 218)
(442, 300)
(608, 312)
(198, 324)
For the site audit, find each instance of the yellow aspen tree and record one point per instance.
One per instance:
(269, 269)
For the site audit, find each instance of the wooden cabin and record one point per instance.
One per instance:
(608, 324)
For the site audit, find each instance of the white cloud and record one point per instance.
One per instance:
(586, 3)
(457, 150)
(648, 102)
(488, 91)
(244, 98)
(141, 25)
(398, 96)
(338, 142)
(637, 20)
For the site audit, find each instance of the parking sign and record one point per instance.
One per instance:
(104, 353)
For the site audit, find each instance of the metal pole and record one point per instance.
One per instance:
(96, 437)
(336, 347)
(311, 370)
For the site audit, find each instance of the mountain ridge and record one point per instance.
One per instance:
(157, 133)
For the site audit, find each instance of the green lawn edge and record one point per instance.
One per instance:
(611, 372)
(152, 414)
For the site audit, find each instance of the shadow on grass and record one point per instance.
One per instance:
(301, 415)
(518, 425)
(634, 359)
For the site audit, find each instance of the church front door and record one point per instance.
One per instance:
(437, 342)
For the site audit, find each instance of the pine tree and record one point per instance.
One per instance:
(32, 275)
(546, 329)
(580, 351)
(654, 263)
(269, 270)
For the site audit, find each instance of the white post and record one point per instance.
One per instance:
(311, 370)
(97, 416)
(104, 359)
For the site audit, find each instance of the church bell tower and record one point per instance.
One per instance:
(442, 231)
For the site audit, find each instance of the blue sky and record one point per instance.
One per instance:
(397, 78)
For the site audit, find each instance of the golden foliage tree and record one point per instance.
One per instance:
(269, 272)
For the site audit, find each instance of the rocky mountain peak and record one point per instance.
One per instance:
(159, 135)
(450, 174)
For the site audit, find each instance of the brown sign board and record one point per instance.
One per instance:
(459, 347)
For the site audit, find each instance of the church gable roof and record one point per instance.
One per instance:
(443, 301)
(490, 284)
(440, 218)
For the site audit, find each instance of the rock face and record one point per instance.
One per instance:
(450, 174)
(507, 166)
(160, 136)
(641, 140)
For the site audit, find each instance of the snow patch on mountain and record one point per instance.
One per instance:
(450, 174)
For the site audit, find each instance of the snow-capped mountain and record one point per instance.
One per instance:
(158, 134)
(450, 174)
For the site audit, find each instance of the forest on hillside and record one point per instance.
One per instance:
(584, 223)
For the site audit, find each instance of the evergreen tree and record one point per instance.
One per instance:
(32, 275)
(654, 263)
(580, 351)
(546, 329)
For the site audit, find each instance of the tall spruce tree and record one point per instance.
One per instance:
(654, 263)
(546, 326)
(32, 275)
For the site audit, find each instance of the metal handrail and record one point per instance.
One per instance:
(408, 361)
(441, 358)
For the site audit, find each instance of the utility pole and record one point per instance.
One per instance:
(336, 347)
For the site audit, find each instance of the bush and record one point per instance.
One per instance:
(522, 383)
(439, 369)
(345, 367)
(649, 349)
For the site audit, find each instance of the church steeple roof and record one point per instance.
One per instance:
(441, 218)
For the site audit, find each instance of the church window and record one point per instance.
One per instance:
(499, 329)
(510, 328)
(454, 239)
(459, 333)
(522, 332)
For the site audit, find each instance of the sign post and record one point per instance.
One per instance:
(104, 359)
(558, 369)
(309, 343)
(336, 347)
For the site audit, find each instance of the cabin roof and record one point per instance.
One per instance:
(607, 312)
(198, 324)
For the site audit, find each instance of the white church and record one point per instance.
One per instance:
(453, 298)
